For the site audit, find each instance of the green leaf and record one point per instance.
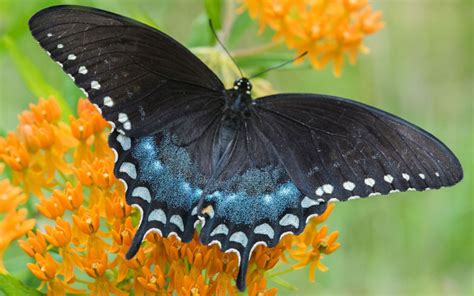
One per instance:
(240, 25)
(32, 75)
(214, 12)
(10, 285)
(200, 32)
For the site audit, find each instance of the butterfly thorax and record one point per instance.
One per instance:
(238, 99)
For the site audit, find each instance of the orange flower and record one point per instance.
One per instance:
(152, 281)
(193, 287)
(326, 30)
(35, 243)
(45, 267)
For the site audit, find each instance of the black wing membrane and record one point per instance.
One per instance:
(336, 149)
(140, 78)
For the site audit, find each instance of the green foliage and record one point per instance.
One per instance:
(12, 286)
(214, 12)
(201, 33)
(32, 75)
(242, 23)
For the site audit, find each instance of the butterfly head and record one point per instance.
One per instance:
(243, 85)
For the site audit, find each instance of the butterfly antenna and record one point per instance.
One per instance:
(223, 46)
(279, 66)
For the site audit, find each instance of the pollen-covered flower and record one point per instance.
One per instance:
(328, 31)
(90, 226)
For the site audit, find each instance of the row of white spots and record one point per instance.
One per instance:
(160, 216)
(123, 118)
(264, 229)
(349, 186)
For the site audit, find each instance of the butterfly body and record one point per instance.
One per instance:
(250, 171)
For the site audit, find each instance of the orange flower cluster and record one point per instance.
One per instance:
(326, 30)
(81, 250)
(14, 222)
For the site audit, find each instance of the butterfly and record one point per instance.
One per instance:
(191, 152)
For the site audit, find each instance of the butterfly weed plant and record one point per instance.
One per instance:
(62, 205)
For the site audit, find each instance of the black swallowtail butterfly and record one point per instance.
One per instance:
(252, 171)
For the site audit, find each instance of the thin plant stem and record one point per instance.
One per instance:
(278, 273)
(229, 17)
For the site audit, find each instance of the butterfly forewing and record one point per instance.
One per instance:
(134, 73)
(340, 149)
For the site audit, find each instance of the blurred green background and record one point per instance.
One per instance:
(420, 68)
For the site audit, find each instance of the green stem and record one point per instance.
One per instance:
(245, 52)
(278, 273)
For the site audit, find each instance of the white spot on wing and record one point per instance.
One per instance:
(49, 35)
(353, 197)
(328, 188)
(388, 178)
(239, 237)
(308, 202)
(143, 193)
(436, 174)
(60, 46)
(129, 168)
(108, 101)
(290, 219)
(82, 70)
(178, 221)
(333, 200)
(349, 185)
(122, 117)
(265, 229)
(422, 176)
(157, 215)
(127, 125)
(319, 191)
(71, 57)
(124, 141)
(220, 229)
(369, 182)
(95, 85)
(406, 176)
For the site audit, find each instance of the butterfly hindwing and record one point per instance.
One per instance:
(161, 181)
(139, 77)
(341, 149)
(252, 201)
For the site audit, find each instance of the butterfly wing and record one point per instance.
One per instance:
(140, 78)
(335, 148)
(161, 99)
